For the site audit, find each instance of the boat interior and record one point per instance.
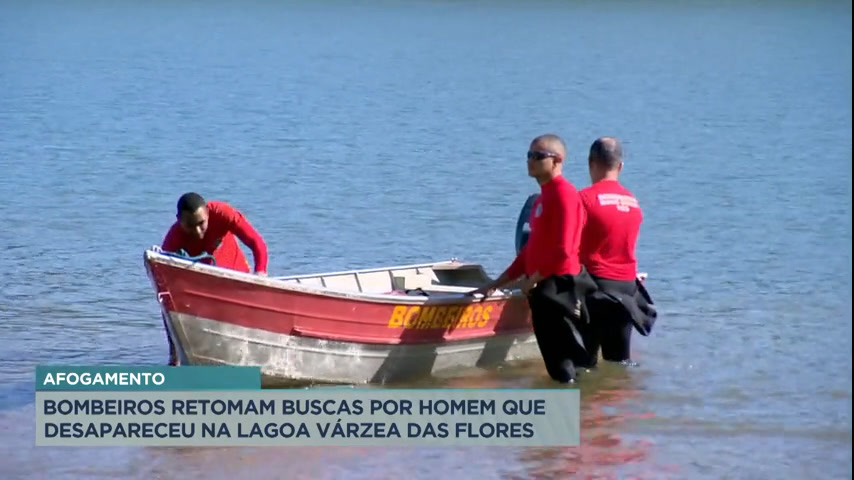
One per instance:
(444, 277)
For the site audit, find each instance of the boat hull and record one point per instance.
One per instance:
(297, 359)
(302, 333)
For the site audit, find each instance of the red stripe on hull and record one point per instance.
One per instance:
(342, 319)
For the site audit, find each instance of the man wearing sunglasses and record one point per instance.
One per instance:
(555, 282)
(608, 243)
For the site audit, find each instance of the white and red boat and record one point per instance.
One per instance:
(360, 326)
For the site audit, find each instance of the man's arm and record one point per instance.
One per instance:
(514, 271)
(248, 235)
(242, 229)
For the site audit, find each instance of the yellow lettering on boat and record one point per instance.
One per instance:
(444, 317)
(463, 321)
(485, 316)
(412, 312)
(439, 319)
(464, 318)
(452, 316)
(415, 314)
(475, 317)
(428, 317)
(396, 320)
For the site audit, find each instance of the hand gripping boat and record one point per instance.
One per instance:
(372, 325)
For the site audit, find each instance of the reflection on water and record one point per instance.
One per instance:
(259, 463)
(610, 400)
(614, 414)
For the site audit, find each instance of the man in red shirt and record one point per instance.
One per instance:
(210, 228)
(555, 281)
(608, 244)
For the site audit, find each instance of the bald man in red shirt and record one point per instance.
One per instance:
(555, 281)
(608, 245)
(213, 228)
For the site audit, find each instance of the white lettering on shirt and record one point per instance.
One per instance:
(623, 202)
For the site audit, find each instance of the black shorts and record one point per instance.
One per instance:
(612, 323)
(559, 318)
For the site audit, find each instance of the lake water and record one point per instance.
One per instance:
(385, 133)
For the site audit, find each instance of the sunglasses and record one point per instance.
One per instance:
(538, 155)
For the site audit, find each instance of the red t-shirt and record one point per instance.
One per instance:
(557, 218)
(224, 223)
(608, 242)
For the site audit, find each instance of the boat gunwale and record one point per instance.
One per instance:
(153, 255)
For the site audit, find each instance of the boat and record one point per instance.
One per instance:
(368, 326)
